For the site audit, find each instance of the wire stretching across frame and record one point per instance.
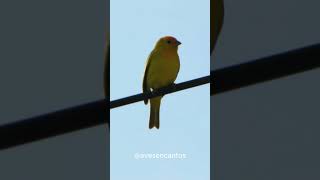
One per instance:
(222, 80)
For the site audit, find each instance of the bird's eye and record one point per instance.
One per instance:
(169, 42)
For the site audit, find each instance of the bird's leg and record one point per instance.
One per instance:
(153, 91)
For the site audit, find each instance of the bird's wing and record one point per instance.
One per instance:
(144, 84)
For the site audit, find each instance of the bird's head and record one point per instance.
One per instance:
(168, 42)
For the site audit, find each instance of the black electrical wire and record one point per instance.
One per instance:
(97, 113)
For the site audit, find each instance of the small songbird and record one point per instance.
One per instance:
(161, 70)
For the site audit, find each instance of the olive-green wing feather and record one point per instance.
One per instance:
(144, 84)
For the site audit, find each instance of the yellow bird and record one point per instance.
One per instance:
(161, 70)
(216, 21)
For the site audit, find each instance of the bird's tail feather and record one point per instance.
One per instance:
(155, 113)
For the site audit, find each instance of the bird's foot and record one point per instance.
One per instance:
(154, 91)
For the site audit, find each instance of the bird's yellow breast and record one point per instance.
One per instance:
(163, 70)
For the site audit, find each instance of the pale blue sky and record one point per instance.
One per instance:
(184, 116)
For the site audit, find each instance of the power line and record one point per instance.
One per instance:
(53, 124)
(265, 69)
(97, 113)
(243, 75)
(159, 92)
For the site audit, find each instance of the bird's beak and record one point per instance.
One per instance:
(178, 43)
